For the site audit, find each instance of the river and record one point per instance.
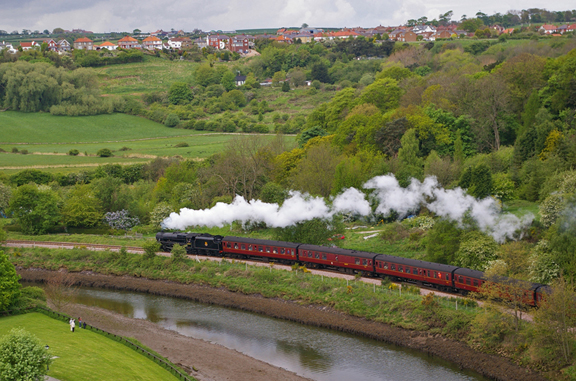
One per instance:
(317, 353)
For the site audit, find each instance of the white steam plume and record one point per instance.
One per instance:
(452, 204)
(296, 208)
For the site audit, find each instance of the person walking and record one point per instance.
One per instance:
(79, 322)
(72, 324)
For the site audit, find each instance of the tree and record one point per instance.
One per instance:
(9, 285)
(60, 290)
(151, 247)
(320, 72)
(180, 93)
(285, 87)
(23, 357)
(228, 81)
(104, 152)
(82, 208)
(556, 319)
(315, 172)
(443, 242)
(314, 232)
(310, 133)
(178, 253)
(476, 251)
(383, 93)
(481, 181)
(35, 208)
(5, 195)
(411, 165)
(279, 76)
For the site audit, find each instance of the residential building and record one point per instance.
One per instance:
(128, 42)
(407, 36)
(218, 41)
(7, 46)
(419, 29)
(304, 37)
(239, 44)
(63, 46)
(152, 43)
(84, 43)
(29, 45)
(180, 42)
(240, 80)
(52, 45)
(548, 29)
(106, 45)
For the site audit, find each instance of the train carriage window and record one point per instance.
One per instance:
(309, 254)
(357, 261)
(468, 281)
(475, 283)
(228, 245)
(316, 255)
(275, 250)
(267, 249)
(393, 267)
(236, 246)
(428, 271)
(282, 250)
(447, 276)
(460, 279)
(370, 262)
(336, 258)
(243, 247)
(324, 256)
(385, 266)
(400, 268)
(435, 275)
(415, 271)
(250, 247)
(364, 262)
(261, 249)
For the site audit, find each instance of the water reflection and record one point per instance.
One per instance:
(312, 352)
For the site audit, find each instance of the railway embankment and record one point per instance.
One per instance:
(302, 311)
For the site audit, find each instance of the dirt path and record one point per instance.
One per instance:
(494, 367)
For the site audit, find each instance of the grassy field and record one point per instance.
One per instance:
(153, 74)
(85, 355)
(20, 127)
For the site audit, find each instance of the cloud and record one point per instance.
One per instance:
(148, 15)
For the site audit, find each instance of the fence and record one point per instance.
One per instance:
(181, 375)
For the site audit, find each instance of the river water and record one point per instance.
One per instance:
(312, 352)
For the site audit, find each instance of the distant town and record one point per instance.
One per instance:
(527, 23)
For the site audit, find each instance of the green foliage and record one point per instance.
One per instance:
(503, 187)
(35, 208)
(180, 93)
(273, 193)
(383, 93)
(310, 133)
(150, 247)
(9, 286)
(476, 251)
(478, 181)
(5, 195)
(551, 208)
(411, 165)
(285, 86)
(172, 120)
(228, 81)
(178, 253)
(73, 152)
(315, 232)
(82, 208)
(22, 356)
(160, 213)
(443, 242)
(542, 268)
(27, 176)
(104, 152)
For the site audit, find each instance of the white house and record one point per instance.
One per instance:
(7, 46)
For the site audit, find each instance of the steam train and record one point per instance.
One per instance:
(439, 276)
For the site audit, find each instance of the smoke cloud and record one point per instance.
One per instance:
(387, 194)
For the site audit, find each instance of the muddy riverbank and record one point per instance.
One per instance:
(488, 365)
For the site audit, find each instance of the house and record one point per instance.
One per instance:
(128, 42)
(83, 43)
(180, 42)
(548, 29)
(52, 45)
(239, 44)
(63, 46)
(240, 80)
(29, 45)
(304, 37)
(419, 29)
(7, 46)
(571, 28)
(441, 34)
(395, 33)
(343, 34)
(508, 31)
(218, 41)
(498, 28)
(152, 43)
(407, 36)
(284, 39)
(106, 45)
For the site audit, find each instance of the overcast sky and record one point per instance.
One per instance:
(150, 15)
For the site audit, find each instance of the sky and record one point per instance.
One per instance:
(151, 15)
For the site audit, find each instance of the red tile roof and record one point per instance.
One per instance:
(127, 39)
(151, 38)
(83, 39)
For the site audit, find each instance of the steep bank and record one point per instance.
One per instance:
(487, 365)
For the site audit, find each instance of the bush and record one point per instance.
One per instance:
(73, 152)
(150, 249)
(14, 150)
(178, 253)
(172, 120)
(24, 152)
(22, 356)
(182, 144)
(104, 152)
(120, 220)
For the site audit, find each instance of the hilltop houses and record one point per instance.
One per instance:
(83, 43)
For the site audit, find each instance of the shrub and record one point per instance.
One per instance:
(120, 220)
(171, 120)
(182, 144)
(104, 152)
(22, 356)
(73, 152)
(14, 150)
(24, 152)
(178, 253)
(125, 149)
(150, 249)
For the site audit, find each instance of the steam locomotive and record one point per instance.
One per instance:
(445, 278)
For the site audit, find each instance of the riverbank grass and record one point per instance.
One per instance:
(85, 355)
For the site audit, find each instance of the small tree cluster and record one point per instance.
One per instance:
(22, 357)
(120, 220)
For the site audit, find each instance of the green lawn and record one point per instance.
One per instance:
(153, 74)
(17, 127)
(85, 355)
